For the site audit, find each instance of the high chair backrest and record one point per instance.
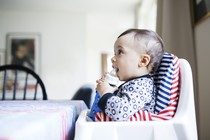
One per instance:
(185, 117)
(166, 80)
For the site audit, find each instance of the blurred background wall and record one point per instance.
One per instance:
(72, 40)
(75, 34)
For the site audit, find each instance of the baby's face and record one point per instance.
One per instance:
(126, 59)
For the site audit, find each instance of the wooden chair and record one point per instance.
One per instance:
(20, 83)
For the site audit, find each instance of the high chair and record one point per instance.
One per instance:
(181, 127)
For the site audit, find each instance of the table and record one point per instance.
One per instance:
(39, 120)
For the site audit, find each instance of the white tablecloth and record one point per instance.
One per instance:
(39, 120)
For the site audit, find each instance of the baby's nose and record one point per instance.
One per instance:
(113, 59)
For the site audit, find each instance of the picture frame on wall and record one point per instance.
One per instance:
(201, 10)
(23, 49)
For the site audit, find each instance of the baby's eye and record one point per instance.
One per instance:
(119, 52)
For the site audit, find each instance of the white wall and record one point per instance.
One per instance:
(102, 31)
(202, 41)
(62, 46)
(71, 44)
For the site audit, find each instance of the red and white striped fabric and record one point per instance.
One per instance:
(167, 112)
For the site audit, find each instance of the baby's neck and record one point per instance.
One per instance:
(143, 71)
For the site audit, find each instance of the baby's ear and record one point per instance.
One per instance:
(144, 60)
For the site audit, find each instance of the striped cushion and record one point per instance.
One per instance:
(163, 79)
(167, 81)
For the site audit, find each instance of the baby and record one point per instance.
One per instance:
(138, 53)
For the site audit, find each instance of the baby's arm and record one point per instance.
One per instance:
(94, 108)
(103, 87)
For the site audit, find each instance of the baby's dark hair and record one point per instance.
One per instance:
(152, 43)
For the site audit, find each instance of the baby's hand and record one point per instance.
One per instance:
(103, 87)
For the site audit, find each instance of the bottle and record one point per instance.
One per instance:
(113, 80)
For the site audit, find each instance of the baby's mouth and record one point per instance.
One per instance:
(116, 69)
